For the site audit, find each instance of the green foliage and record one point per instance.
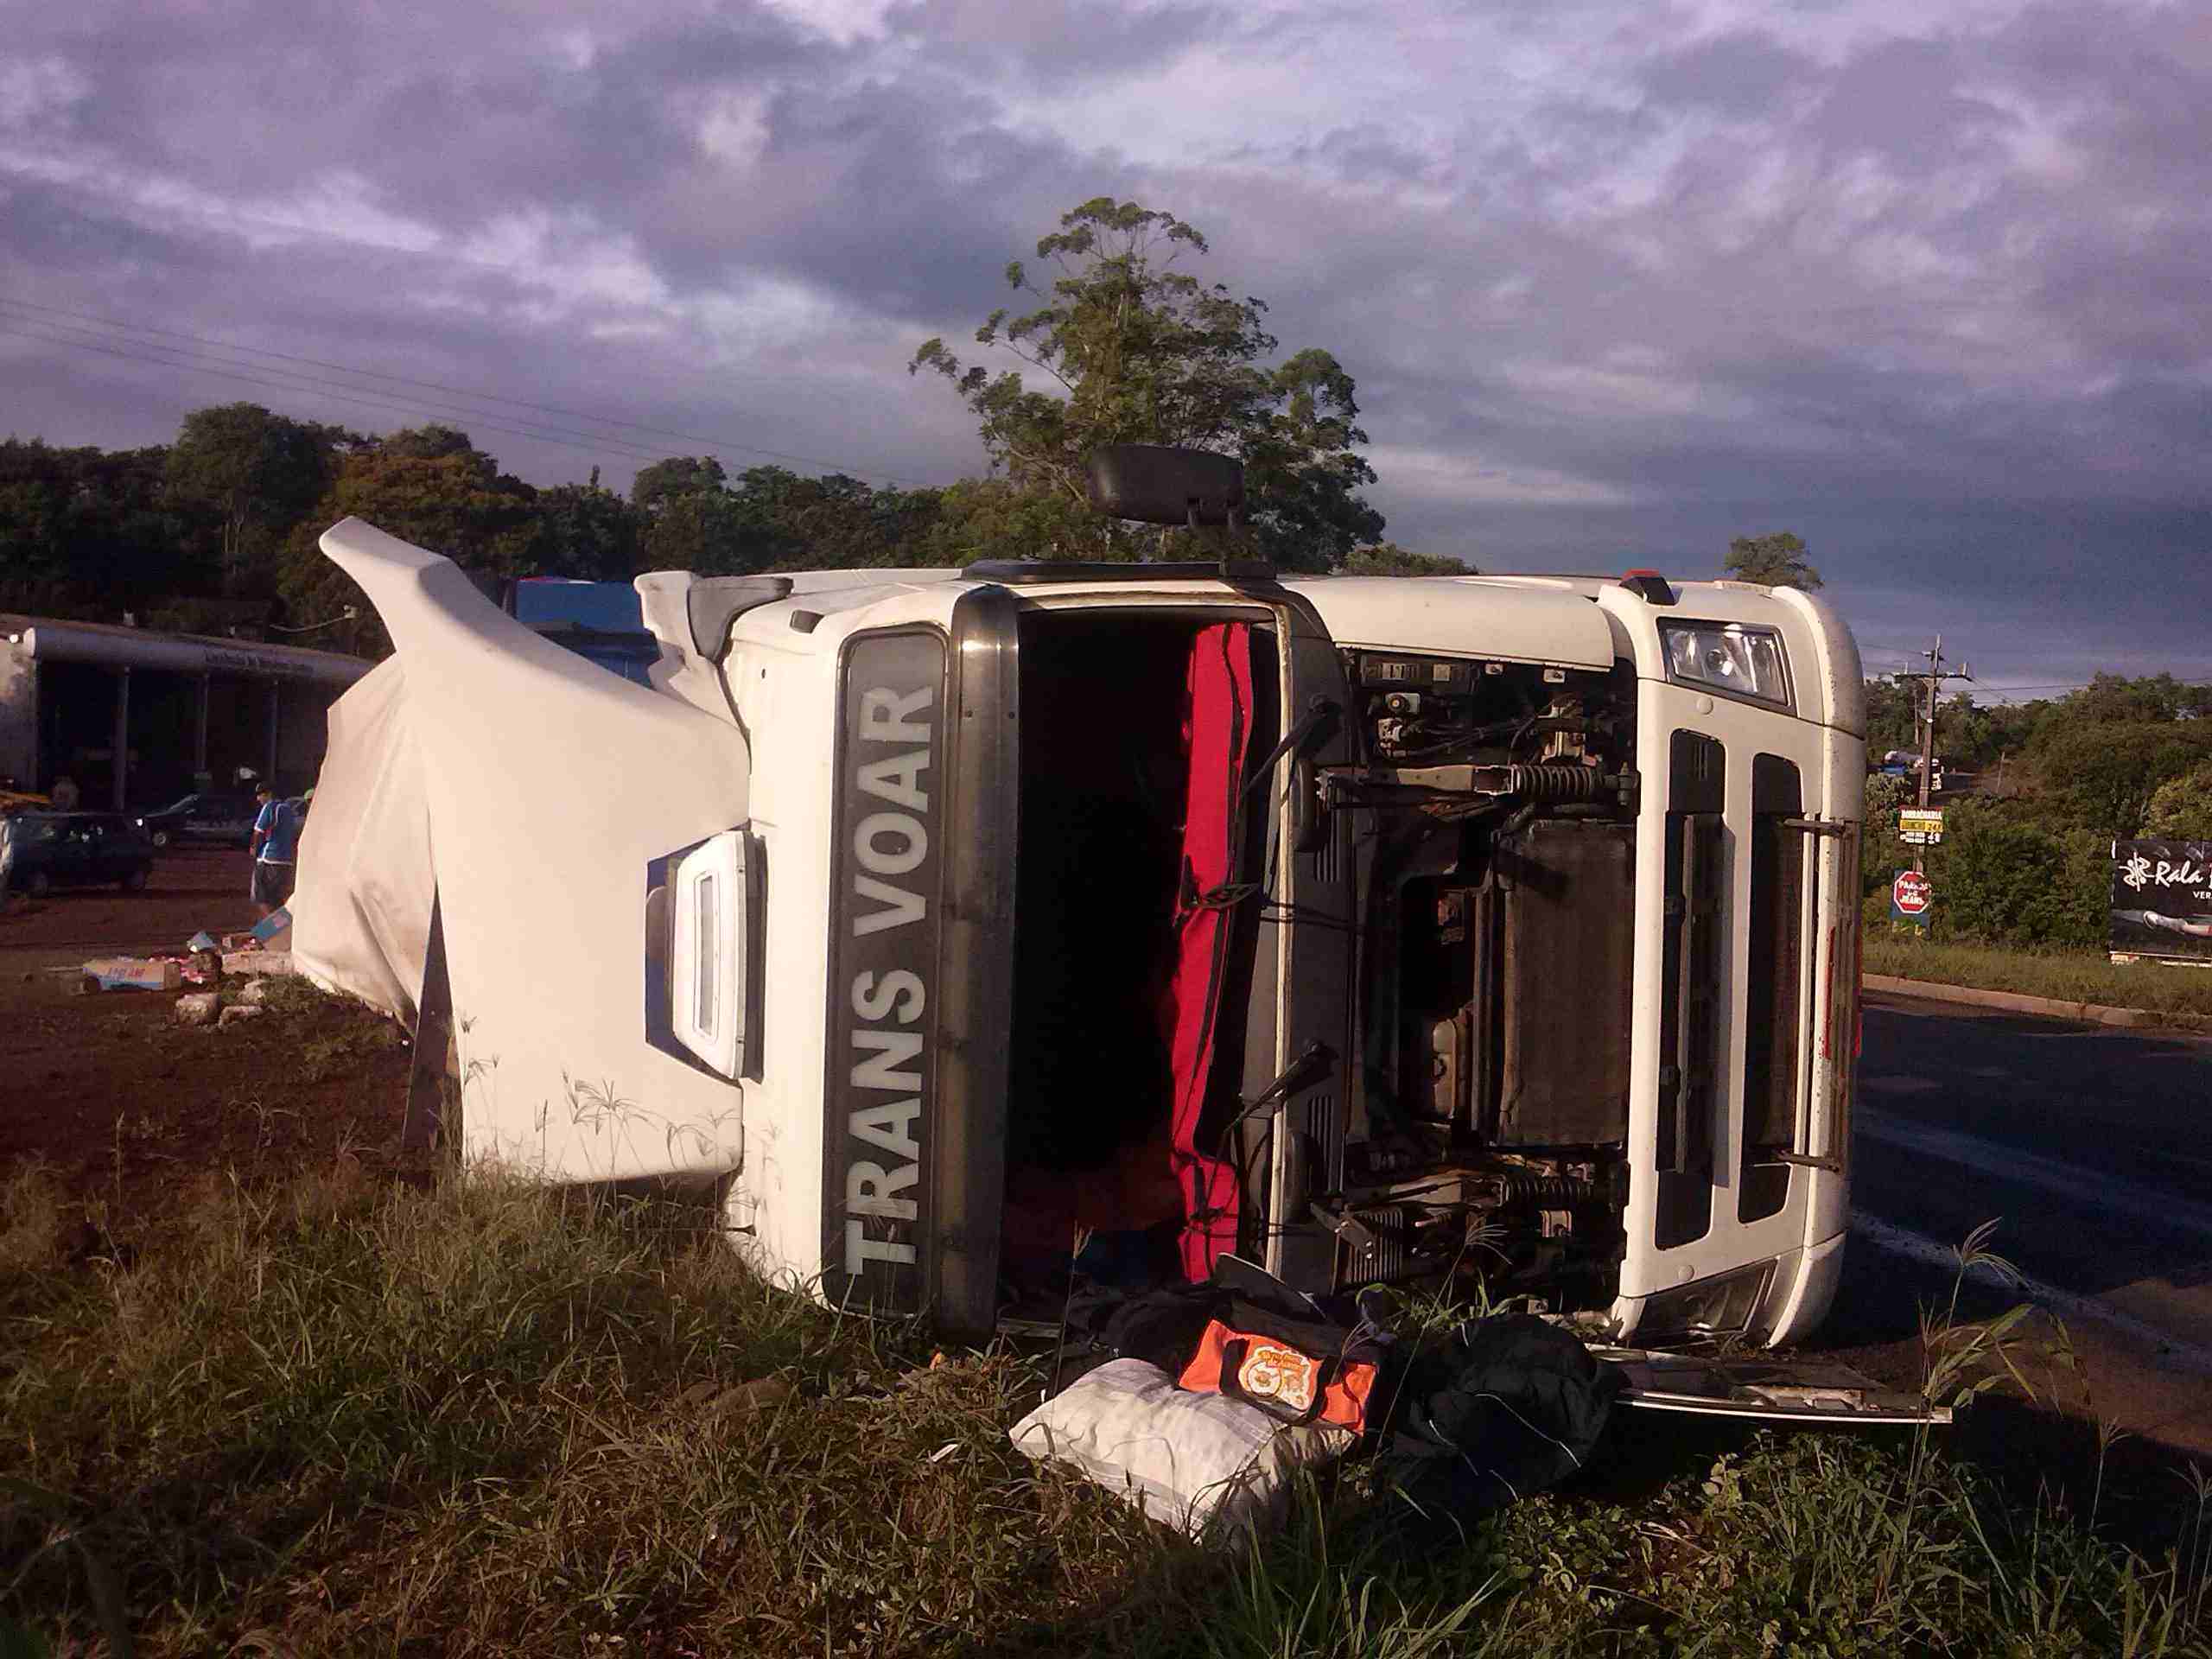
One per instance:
(1137, 351)
(2102, 774)
(679, 475)
(2181, 808)
(998, 519)
(2009, 880)
(1969, 736)
(255, 473)
(774, 518)
(87, 532)
(1775, 560)
(585, 532)
(1389, 559)
(2113, 699)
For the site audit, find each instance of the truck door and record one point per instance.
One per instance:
(1746, 931)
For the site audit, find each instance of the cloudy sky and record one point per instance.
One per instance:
(1618, 279)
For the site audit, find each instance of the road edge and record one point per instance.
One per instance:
(2095, 1014)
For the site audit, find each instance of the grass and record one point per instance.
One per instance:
(341, 1417)
(2064, 978)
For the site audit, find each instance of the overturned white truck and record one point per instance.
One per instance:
(1373, 929)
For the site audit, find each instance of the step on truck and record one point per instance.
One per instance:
(957, 922)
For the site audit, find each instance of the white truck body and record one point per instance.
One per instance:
(782, 920)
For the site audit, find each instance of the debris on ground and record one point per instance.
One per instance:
(133, 973)
(1215, 1394)
(742, 1400)
(199, 1008)
(257, 961)
(1212, 1466)
(237, 1012)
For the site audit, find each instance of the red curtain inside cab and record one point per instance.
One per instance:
(1216, 734)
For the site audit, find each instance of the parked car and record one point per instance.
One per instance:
(42, 849)
(202, 820)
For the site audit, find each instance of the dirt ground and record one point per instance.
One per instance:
(127, 1107)
(190, 889)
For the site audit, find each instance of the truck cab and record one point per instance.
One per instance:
(962, 924)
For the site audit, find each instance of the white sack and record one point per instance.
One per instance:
(1209, 1466)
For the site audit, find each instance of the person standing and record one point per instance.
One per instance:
(276, 846)
(263, 795)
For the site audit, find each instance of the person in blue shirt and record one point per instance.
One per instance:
(276, 848)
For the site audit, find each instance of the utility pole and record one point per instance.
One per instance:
(1935, 676)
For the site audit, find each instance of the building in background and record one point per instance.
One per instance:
(139, 717)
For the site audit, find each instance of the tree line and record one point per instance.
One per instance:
(2026, 858)
(218, 528)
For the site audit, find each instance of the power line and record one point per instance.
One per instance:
(366, 396)
(174, 357)
(435, 385)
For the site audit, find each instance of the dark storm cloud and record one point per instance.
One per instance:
(1052, 43)
(1743, 74)
(1608, 276)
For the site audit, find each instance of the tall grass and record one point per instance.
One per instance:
(342, 1418)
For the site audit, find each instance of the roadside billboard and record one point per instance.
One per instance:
(2161, 900)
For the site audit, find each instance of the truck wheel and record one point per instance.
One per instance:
(161, 837)
(37, 883)
(135, 882)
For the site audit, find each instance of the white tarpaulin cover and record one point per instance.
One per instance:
(362, 908)
(530, 789)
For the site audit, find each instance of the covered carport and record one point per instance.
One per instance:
(138, 717)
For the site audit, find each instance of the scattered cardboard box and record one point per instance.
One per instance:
(132, 974)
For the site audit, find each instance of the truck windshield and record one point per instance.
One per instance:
(608, 606)
(603, 621)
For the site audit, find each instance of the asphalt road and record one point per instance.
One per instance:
(2091, 1148)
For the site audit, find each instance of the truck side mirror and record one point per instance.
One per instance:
(1157, 484)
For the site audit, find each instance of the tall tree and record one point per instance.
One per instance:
(585, 531)
(1776, 560)
(656, 486)
(255, 473)
(90, 532)
(2104, 775)
(1130, 349)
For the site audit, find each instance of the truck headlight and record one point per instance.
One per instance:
(1727, 657)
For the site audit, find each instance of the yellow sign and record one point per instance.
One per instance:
(1920, 826)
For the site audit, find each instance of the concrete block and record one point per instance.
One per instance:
(257, 961)
(237, 1012)
(199, 1009)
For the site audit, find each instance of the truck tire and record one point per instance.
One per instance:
(136, 881)
(36, 884)
(160, 837)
